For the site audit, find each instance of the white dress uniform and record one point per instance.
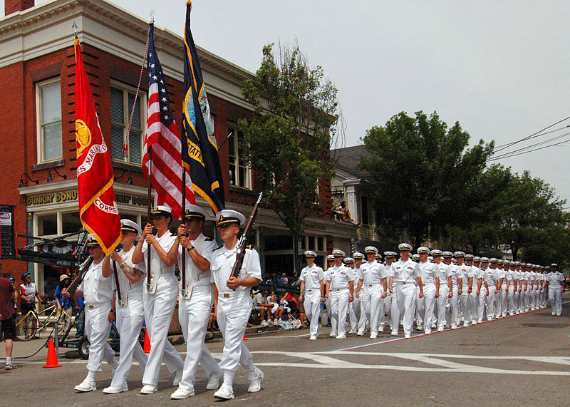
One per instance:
(313, 277)
(428, 274)
(130, 318)
(464, 272)
(339, 278)
(443, 271)
(159, 303)
(473, 302)
(453, 316)
(234, 309)
(98, 296)
(555, 280)
(372, 303)
(491, 276)
(502, 294)
(354, 306)
(483, 295)
(405, 274)
(544, 293)
(516, 291)
(509, 282)
(525, 292)
(194, 306)
(531, 291)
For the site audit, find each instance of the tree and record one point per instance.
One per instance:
(289, 134)
(419, 168)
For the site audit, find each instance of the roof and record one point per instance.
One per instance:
(348, 159)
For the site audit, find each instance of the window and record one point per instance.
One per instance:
(48, 100)
(70, 222)
(126, 147)
(240, 170)
(47, 225)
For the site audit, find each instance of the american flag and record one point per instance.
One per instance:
(162, 136)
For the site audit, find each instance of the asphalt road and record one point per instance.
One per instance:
(518, 361)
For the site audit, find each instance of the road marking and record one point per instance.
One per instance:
(326, 360)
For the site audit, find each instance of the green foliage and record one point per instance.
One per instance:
(428, 183)
(290, 132)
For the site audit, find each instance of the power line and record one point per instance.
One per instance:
(531, 145)
(531, 136)
(530, 151)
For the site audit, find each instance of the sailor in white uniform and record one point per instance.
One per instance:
(234, 302)
(311, 292)
(340, 289)
(407, 277)
(159, 296)
(195, 300)
(430, 280)
(129, 306)
(555, 281)
(372, 291)
(97, 289)
(443, 287)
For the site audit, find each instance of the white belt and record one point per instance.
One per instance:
(339, 289)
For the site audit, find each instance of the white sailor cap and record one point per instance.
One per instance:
(390, 254)
(378, 256)
(554, 265)
(405, 247)
(493, 260)
(330, 257)
(338, 253)
(423, 250)
(194, 211)
(348, 260)
(484, 260)
(228, 217)
(415, 257)
(128, 225)
(476, 258)
(163, 209)
(92, 241)
(357, 255)
(436, 253)
(310, 253)
(469, 257)
(447, 254)
(458, 254)
(370, 249)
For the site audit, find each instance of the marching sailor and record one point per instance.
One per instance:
(159, 297)
(555, 279)
(354, 308)
(234, 302)
(407, 276)
(430, 279)
(195, 301)
(97, 289)
(475, 275)
(501, 288)
(483, 289)
(311, 292)
(129, 305)
(390, 300)
(491, 277)
(454, 292)
(443, 287)
(340, 289)
(372, 289)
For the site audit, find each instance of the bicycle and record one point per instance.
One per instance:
(30, 325)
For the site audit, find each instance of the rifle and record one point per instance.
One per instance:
(243, 239)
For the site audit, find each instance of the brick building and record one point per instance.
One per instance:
(37, 158)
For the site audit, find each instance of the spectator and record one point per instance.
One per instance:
(342, 213)
(28, 294)
(63, 302)
(8, 318)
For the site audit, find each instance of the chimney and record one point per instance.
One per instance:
(13, 6)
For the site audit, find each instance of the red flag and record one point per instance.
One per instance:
(97, 206)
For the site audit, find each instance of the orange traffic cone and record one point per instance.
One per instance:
(146, 343)
(51, 359)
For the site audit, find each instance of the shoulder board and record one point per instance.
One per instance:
(209, 239)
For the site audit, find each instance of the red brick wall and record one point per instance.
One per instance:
(18, 154)
(11, 6)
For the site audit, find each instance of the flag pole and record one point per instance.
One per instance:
(149, 186)
(183, 271)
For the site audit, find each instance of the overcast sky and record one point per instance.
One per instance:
(500, 67)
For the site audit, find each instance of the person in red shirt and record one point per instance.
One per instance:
(7, 318)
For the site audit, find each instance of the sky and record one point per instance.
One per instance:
(499, 67)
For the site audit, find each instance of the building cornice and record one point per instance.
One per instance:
(115, 30)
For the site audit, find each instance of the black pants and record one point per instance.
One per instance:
(8, 328)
